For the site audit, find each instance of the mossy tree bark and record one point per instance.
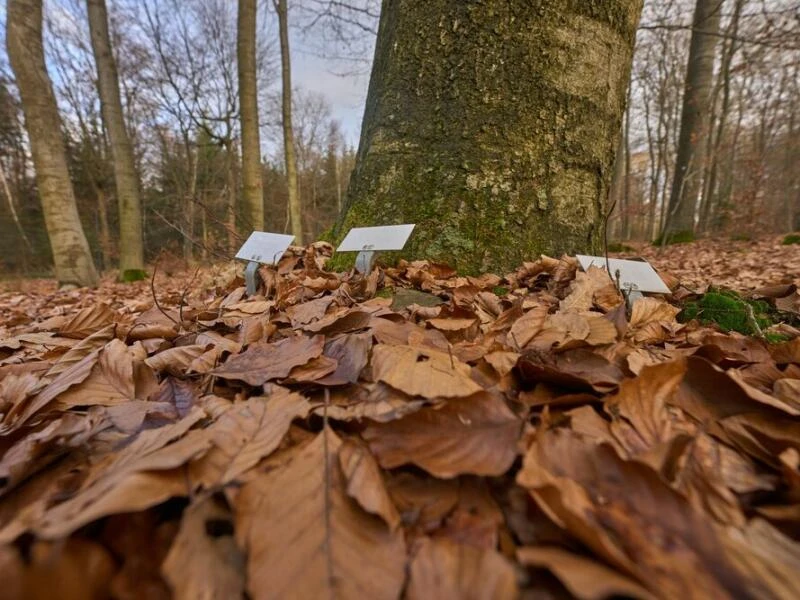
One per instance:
(131, 246)
(695, 116)
(71, 255)
(252, 192)
(493, 125)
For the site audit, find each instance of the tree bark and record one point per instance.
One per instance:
(13, 210)
(253, 194)
(687, 181)
(71, 254)
(295, 208)
(131, 250)
(493, 126)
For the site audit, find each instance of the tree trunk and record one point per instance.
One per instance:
(105, 231)
(617, 194)
(71, 255)
(493, 126)
(131, 251)
(230, 192)
(687, 181)
(295, 208)
(13, 210)
(248, 102)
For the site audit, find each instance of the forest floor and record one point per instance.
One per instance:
(410, 433)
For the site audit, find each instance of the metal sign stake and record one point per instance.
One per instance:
(365, 260)
(251, 278)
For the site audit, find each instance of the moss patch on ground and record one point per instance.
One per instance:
(792, 238)
(729, 311)
(676, 237)
(132, 275)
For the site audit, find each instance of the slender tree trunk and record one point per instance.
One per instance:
(230, 187)
(493, 126)
(617, 194)
(729, 51)
(687, 181)
(626, 186)
(71, 254)
(131, 249)
(13, 210)
(105, 230)
(252, 191)
(295, 207)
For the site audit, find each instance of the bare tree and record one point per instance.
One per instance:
(295, 208)
(248, 107)
(687, 181)
(71, 255)
(131, 251)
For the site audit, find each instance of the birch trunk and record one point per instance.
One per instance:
(71, 255)
(131, 248)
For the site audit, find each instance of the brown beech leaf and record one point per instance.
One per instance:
(525, 328)
(378, 402)
(769, 559)
(200, 566)
(578, 369)
(445, 570)
(155, 324)
(583, 577)
(351, 320)
(72, 569)
(502, 362)
(81, 350)
(263, 362)
(144, 473)
(624, 512)
(176, 361)
(88, 321)
(110, 382)
(651, 318)
(308, 312)
(41, 447)
(477, 435)
(423, 501)
(422, 372)
(337, 549)
(246, 433)
(315, 370)
(642, 419)
(72, 376)
(351, 353)
(365, 482)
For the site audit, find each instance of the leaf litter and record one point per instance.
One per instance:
(412, 433)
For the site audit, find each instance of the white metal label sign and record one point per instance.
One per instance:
(633, 274)
(265, 248)
(389, 237)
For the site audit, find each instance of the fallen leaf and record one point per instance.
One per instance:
(200, 566)
(584, 578)
(422, 372)
(88, 321)
(262, 362)
(246, 433)
(477, 435)
(365, 483)
(444, 570)
(337, 549)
